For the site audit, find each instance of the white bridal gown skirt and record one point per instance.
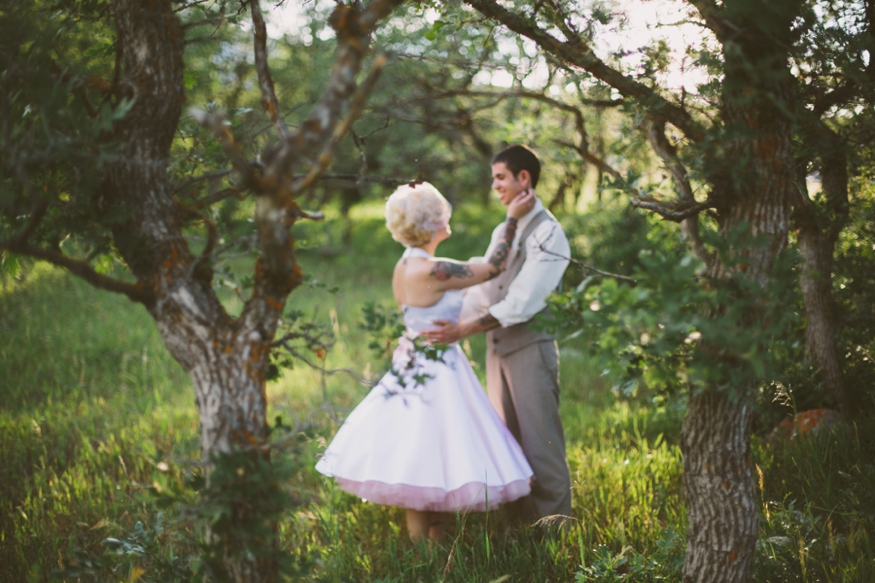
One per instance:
(438, 447)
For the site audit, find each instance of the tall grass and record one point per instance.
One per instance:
(92, 403)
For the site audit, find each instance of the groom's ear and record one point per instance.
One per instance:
(525, 178)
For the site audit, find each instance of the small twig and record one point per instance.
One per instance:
(588, 267)
(374, 131)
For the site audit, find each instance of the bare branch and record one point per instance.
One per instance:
(265, 81)
(677, 213)
(538, 96)
(655, 130)
(319, 132)
(190, 4)
(136, 292)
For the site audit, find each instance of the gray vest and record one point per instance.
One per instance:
(507, 340)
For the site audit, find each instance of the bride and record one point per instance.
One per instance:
(426, 437)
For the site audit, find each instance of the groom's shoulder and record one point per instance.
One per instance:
(550, 222)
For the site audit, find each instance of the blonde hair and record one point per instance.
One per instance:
(414, 213)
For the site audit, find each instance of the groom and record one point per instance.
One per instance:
(522, 363)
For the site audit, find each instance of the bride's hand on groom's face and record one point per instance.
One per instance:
(522, 204)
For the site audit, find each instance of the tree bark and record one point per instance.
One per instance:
(715, 441)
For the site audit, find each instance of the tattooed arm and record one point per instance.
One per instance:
(444, 274)
(449, 274)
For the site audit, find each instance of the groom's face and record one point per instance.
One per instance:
(506, 184)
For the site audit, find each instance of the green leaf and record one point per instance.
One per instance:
(122, 109)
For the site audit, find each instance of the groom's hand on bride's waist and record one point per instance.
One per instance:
(447, 332)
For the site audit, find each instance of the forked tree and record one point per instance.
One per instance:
(128, 202)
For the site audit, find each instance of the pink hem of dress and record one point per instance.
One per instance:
(471, 496)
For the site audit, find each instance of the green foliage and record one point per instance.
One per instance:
(236, 507)
(673, 330)
(384, 326)
(854, 292)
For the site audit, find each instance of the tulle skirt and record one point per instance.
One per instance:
(438, 446)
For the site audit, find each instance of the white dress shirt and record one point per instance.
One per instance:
(547, 255)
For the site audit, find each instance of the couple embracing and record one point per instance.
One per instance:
(427, 438)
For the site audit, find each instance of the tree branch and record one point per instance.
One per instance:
(342, 127)
(577, 53)
(135, 292)
(265, 81)
(655, 130)
(712, 15)
(317, 133)
(677, 213)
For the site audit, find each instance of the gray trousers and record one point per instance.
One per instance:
(523, 387)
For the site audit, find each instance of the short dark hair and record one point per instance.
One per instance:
(518, 158)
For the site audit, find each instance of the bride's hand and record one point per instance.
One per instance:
(521, 205)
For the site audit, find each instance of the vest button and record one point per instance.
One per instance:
(501, 287)
(496, 341)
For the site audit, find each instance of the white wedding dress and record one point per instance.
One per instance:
(433, 445)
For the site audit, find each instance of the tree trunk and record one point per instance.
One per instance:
(715, 441)
(815, 280)
(225, 357)
(753, 181)
(817, 235)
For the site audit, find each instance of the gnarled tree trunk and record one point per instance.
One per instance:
(226, 357)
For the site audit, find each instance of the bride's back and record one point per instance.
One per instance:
(411, 285)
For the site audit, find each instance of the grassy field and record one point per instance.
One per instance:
(91, 406)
